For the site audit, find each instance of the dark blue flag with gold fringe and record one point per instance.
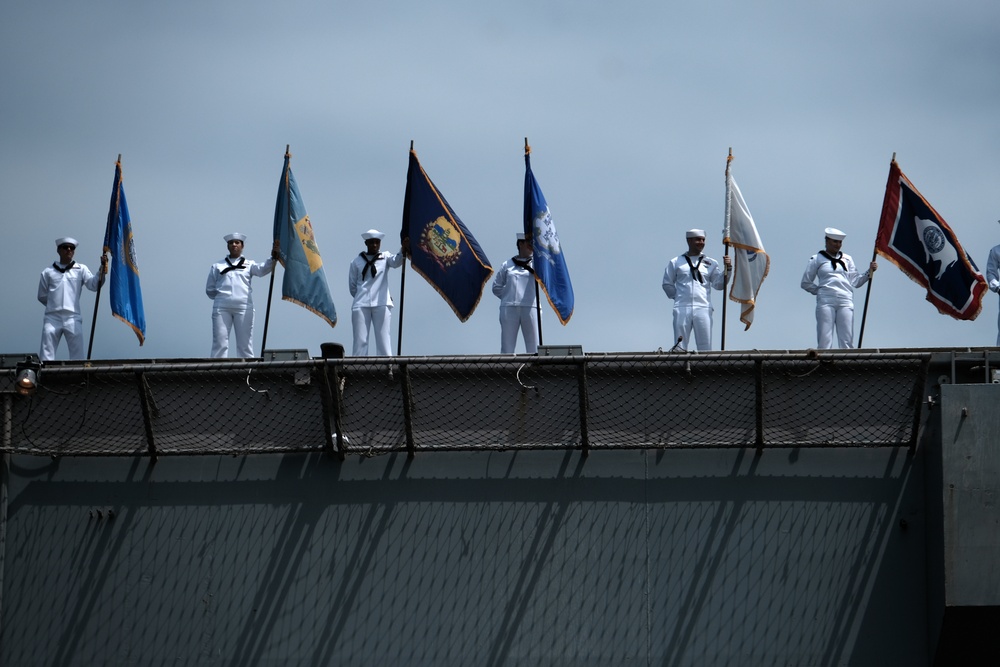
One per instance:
(442, 249)
(914, 237)
(123, 276)
(304, 281)
(551, 271)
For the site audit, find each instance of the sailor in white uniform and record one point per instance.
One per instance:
(368, 283)
(688, 280)
(228, 286)
(993, 278)
(59, 289)
(514, 284)
(832, 277)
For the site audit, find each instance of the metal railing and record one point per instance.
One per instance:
(371, 406)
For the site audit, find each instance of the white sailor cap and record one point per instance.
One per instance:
(695, 233)
(66, 240)
(373, 234)
(521, 236)
(235, 236)
(835, 234)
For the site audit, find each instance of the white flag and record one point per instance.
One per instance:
(751, 263)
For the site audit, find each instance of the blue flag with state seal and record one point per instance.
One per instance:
(551, 271)
(304, 281)
(916, 238)
(442, 249)
(123, 268)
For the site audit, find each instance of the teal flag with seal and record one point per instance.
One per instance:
(304, 281)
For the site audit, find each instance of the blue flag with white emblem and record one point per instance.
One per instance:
(123, 268)
(551, 271)
(304, 281)
(914, 237)
(442, 249)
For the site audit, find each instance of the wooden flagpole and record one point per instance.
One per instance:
(725, 241)
(538, 303)
(104, 254)
(402, 283)
(274, 269)
(871, 276)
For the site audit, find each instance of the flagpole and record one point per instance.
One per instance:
(402, 292)
(104, 253)
(538, 302)
(871, 277)
(538, 312)
(274, 269)
(725, 241)
(402, 284)
(97, 302)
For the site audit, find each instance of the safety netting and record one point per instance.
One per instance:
(377, 405)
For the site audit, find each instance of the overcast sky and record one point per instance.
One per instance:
(630, 109)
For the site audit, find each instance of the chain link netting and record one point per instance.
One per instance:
(372, 406)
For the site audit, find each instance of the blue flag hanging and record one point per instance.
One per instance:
(126, 294)
(442, 249)
(914, 237)
(551, 271)
(304, 281)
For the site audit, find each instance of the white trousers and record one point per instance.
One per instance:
(830, 318)
(362, 319)
(241, 323)
(55, 327)
(698, 320)
(513, 318)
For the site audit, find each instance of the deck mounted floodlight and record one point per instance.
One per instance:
(27, 377)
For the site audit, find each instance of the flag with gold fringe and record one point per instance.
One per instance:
(914, 237)
(551, 270)
(751, 263)
(442, 249)
(304, 281)
(126, 292)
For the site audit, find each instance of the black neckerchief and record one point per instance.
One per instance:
(238, 266)
(369, 263)
(695, 273)
(834, 261)
(523, 263)
(69, 266)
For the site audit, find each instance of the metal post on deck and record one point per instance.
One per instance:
(338, 417)
(758, 366)
(148, 408)
(404, 380)
(5, 458)
(333, 386)
(330, 390)
(581, 386)
(917, 400)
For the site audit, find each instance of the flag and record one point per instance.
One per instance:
(442, 249)
(750, 262)
(551, 271)
(304, 281)
(914, 237)
(123, 276)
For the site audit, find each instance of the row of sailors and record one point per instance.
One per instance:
(688, 279)
(830, 275)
